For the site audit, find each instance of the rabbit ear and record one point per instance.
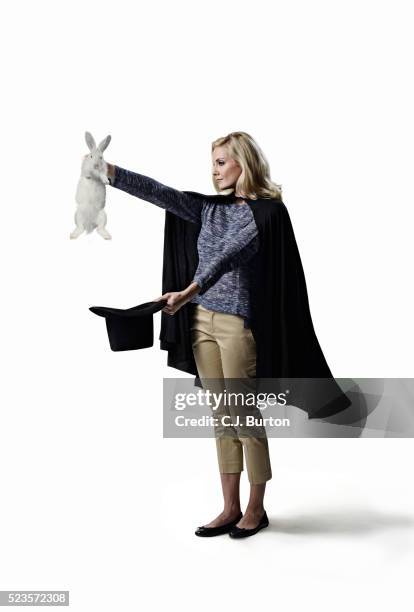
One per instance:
(90, 141)
(105, 142)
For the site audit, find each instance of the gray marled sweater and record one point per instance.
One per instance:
(227, 242)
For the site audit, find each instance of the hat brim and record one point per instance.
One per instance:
(142, 310)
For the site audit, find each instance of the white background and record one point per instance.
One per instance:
(93, 499)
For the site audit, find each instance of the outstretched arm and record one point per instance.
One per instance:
(180, 203)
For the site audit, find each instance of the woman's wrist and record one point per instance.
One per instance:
(192, 290)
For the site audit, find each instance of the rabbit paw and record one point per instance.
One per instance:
(104, 233)
(76, 233)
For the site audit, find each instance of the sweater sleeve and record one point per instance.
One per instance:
(181, 203)
(227, 255)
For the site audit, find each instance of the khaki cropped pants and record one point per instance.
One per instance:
(224, 350)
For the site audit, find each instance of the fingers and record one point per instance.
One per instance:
(169, 310)
(162, 297)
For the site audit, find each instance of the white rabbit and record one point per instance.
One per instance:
(91, 191)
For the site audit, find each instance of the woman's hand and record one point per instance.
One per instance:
(177, 299)
(110, 171)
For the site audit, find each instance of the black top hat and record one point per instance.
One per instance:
(132, 328)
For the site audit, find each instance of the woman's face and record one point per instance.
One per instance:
(226, 170)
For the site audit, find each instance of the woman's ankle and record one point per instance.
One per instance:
(232, 508)
(255, 509)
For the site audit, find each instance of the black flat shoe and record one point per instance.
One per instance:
(241, 532)
(207, 532)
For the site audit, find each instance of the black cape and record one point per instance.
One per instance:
(286, 343)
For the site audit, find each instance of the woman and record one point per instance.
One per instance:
(233, 242)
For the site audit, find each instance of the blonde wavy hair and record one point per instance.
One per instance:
(254, 181)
